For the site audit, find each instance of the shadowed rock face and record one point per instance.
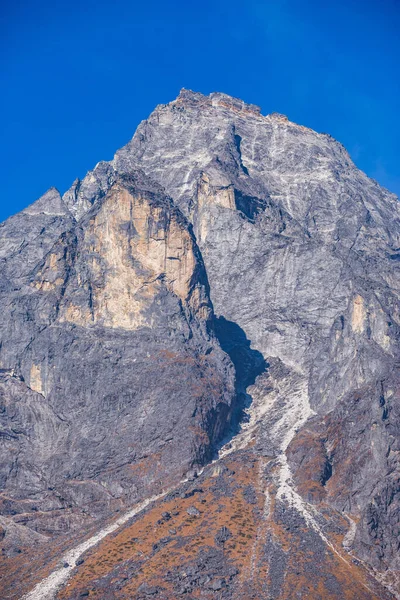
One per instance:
(140, 313)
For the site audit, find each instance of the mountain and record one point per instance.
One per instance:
(199, 370)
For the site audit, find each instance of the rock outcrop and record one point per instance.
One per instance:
(97, 341)
(225, 266)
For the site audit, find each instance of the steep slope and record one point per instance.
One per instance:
(301, 251)
(97, 339)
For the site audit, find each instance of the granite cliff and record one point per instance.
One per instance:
(208, 323)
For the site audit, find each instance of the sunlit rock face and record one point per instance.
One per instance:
(223, 260)
(132, 248)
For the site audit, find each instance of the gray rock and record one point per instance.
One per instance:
(223, 536)
(110, 328)
(193, 511)
(141, 311)
(217, 584)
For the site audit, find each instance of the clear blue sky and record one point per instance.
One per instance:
(76, 78)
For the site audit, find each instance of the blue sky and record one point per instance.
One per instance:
(76, 78)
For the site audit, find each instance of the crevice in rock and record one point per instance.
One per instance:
(238, 141)
(248, 364)
(249, 206)
(327, 471)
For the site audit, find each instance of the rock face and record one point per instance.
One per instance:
(222, 261)
(98, 339)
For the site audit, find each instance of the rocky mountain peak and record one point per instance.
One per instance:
(203, 336)
(224, 137)
(50, 203)
(192, 99)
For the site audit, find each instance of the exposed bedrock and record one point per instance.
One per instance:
(228, 278)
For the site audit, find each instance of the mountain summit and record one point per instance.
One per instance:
(199, 370)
